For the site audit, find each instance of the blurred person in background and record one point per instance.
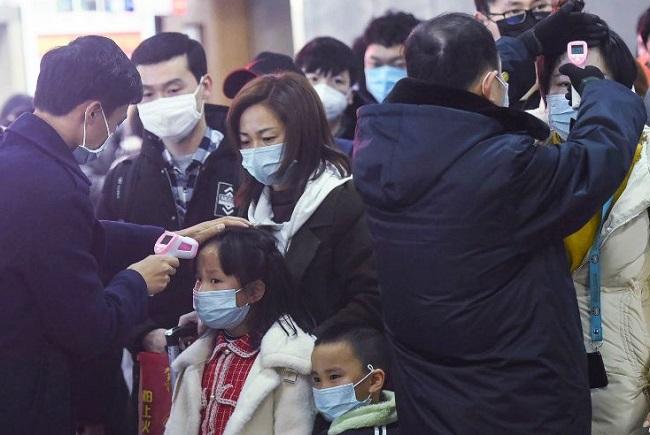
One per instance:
(15, 106)
(382, 44)
(511, 17)
(331, 67)
(264, 63)
(472, 212)
(623, 238)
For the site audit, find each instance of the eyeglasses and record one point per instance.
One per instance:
(518, 16)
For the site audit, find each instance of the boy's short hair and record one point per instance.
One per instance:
(168, 45)
(368, 344)
(390, 29)
(88, 68)
(328, 56)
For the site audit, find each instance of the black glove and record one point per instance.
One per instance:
(553, 33)
(580, 77)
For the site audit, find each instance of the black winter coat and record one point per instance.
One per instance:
(331, 259)
(55, 312)
(468, 215)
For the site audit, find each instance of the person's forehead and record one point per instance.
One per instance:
(209, 258)
(499, 6)
(338, 354)
(381, 52)
(594, 58)
(160, 73)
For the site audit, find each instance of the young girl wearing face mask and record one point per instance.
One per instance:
(623, 265)
(249, 373)
(299, 185)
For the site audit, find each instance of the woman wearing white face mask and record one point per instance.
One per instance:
(297, 183)
(610, 258)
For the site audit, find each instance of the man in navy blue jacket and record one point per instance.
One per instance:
(55, 311)
(468, 213)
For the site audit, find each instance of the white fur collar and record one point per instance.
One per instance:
(277, 350)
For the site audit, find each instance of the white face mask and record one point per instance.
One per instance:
(84, 155)
(263, 163)
(171, 118)
(334, 102)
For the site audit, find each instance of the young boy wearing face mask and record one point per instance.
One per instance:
(349, 366)
(186, 171)
(333, 70)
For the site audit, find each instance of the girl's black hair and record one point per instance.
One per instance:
(250, 254)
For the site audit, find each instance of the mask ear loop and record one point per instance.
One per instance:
(83, 142)
(197, 91)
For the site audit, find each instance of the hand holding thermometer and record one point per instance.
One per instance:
(577, 52)
(175, 245)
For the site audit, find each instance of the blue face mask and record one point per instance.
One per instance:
(560, 114)
(218, 309)
(84, 155)
(381, 80)
(335, 401)
(263, 163)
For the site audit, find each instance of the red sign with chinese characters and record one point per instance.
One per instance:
(155, 394)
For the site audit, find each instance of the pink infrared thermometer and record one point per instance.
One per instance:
(577, 53)
(177, 246)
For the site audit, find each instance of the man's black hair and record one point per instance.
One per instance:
(450, 50)
(368, 344)
(89, 68)
(618, 59)
(483, 6)
(643, 26)
(390, 29)
(328, 56)
(167, 45)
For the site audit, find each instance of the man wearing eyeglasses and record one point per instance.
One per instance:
(511, 17)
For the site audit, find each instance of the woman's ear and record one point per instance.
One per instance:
(255, 291)
(377, 379)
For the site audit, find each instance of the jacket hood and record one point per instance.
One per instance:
(404, 145)
(277, 350)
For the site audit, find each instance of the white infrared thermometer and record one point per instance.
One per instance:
(177, 246)
(577, 53)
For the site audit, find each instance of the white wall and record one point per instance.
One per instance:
(346, 19)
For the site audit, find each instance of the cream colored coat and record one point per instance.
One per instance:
(620, 408)
(276, 397)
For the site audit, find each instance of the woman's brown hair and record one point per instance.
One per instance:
(308, 140)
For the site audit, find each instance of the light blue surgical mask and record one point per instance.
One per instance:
(218, 308)
(505, 101)
(333, 402)
(560, 114)
(263, 163)
(381, 80)
(84, 155)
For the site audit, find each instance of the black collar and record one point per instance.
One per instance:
(413, 91)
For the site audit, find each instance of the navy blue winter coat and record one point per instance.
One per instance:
(468, 216)
(55, 310)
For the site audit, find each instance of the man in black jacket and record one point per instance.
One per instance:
(186, 172)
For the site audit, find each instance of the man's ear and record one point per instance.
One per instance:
(487, 86)
(377, 380)
(255, 291)
(206, 86)
(92, 110)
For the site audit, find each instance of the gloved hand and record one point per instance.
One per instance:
(553, 33)
(580, 77)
